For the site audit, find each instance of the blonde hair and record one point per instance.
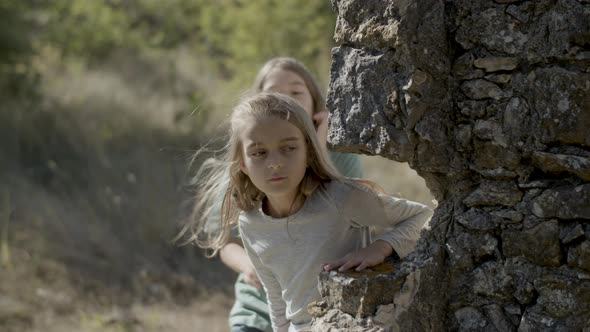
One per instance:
(224, 180)
(292, 65)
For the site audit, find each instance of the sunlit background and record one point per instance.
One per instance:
(101, 104)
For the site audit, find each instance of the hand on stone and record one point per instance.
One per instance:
(363, 258)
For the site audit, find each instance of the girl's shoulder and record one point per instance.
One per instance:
(346, 189)
(350, 185)
(355, 201)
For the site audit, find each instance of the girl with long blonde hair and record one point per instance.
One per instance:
(296, 214)
(292, 78)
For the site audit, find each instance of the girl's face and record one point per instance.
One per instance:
(288, 83)
(274, 157)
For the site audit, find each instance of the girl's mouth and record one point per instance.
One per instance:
(277, 178)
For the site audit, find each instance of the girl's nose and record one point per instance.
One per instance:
(274, 165)
(275, 162)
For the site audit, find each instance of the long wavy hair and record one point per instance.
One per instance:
(223, 180)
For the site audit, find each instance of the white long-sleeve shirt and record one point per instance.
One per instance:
(334, 220)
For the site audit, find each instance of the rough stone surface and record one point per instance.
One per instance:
(489, 101)
(481, 247)
(522, 275)
(561, 116)
(384, 316)
(560, 163)
(481, 89)
(491, 280)
(496, 63)
(570, 202)
(360, 294)
(579, 256)
(471, 319)
(497, 317)
(494, 193)
(475, 219)
(337, 321)
(570, 232)
(509, 216)
(563, 296)
(539, 244)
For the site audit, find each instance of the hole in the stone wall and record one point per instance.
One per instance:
(397, 179)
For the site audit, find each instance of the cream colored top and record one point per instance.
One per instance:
(333, 221)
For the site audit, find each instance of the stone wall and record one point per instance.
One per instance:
(489, 101)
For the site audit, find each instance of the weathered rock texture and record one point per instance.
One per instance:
(489, 101)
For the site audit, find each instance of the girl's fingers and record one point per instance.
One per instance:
(334, 264)
(320, 117)
(348, 264)
(363, 265)
(320, 120)
(361, 259)
(345, 266)
(327, 266)
(331, 266)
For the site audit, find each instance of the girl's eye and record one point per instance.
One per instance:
(290, 148)
(296, 93)
(257, 153)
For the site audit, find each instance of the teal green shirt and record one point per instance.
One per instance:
(250, 308)
(348, 164)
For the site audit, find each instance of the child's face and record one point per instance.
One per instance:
(288, 83)
(274, 157)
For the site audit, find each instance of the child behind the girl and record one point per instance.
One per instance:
(297, 216)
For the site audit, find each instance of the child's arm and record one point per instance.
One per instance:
(403, 224)
(234, 256)
(276, 305)
(399, 220)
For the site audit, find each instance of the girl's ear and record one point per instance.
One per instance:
(243, 167)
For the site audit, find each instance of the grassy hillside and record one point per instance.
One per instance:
(92, 189)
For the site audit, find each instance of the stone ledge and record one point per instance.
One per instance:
(359, 294)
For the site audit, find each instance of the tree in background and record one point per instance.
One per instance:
(17, 81)
(243, 35)
(234, 37)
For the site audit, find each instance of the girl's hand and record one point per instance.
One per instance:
(320, 121)
(366, 257)
(251, 278)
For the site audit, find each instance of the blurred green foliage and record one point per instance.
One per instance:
(17, 80)
(93, 29)
(118, 56)
(237, 37)
(245, 34)
(230, 39)
(14, 32)
(88, 28)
